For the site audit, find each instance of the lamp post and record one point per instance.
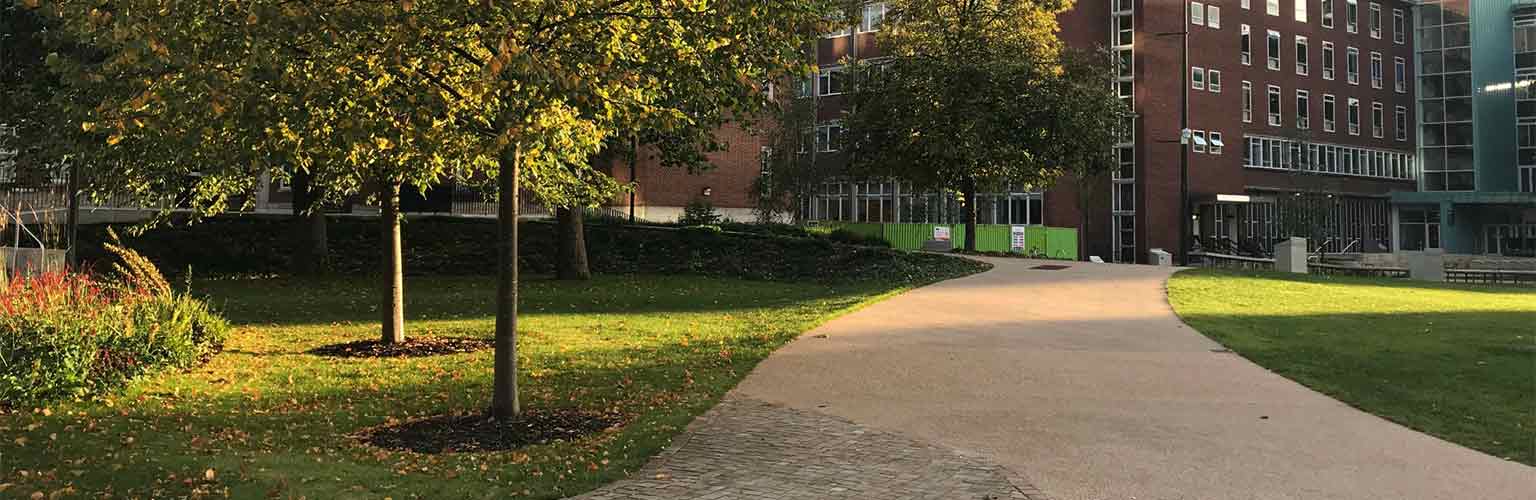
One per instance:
(1184, 138)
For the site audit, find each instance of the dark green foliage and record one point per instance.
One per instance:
(853, 238)
(255, 246)
(699, 212)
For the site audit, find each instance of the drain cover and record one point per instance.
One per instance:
(1050, 267)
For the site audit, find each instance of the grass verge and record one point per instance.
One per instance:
(1457, 362)
(268, 419)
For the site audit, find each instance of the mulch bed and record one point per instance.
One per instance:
(412, 348)
(469, 433)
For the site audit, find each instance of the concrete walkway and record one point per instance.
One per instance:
(1084, 381)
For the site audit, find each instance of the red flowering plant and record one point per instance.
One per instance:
(67, 334)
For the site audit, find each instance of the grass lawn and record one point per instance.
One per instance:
(1457, 362)
(265, 419)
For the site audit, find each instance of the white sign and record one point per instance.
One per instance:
(941, 233)
(1018, 238)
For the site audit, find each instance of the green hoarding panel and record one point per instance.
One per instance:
(1035, 240)
(1061, 243)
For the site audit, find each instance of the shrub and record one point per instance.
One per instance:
(853, 238)
(699, 212)
(255, 246)
(68, 335)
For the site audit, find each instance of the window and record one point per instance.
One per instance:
(1288, 154)
(1272, 7)
(1303, 115)
(1330, 115)
(1216, 144)
(1399, 75)
(1301, 11)
(1245, 4)
(806, 87)
(1376, 75)
(829, 137)
(1213, 17)
(837, 17)
(1418, 228)
(1375, 20)
(1274, 106)
(1354, 116)
(1274, 50)
(1197, 78)
(1197, 13)
(1378, 121)
(1247, 46)
(830, 81)
(1352, 16)
(1301, 55)
(1199, 141)
(1213, 81)
(874, 16)
(1399, 27)
(1352, 65)
(1327, 60)
(1247, 102)
(1400, 122)
(1326, 14)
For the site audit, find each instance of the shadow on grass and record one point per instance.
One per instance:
(293, 302)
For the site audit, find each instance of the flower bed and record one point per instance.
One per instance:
(67, 334)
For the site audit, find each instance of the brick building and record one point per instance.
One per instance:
(1285, 97)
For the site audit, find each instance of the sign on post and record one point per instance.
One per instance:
(1017, 243)
(941, 233)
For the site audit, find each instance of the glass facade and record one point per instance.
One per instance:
(1446, 128)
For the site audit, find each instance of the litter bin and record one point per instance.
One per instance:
(1158, 257)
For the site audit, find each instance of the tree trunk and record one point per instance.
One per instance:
(311, 248)
(970, 215)
(571, 251)
(393, 306)
(504, 402)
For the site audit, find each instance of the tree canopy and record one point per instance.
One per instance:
(976, 94)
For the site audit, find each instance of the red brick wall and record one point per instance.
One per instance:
(729, 182)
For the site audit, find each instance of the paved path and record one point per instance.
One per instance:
(1085, 381)
(747, 449)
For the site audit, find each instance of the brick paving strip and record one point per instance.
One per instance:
(750, 450)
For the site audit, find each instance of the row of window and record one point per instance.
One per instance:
(870, 19)
(1304, 63)
(1351, 16)
(1286, 154)
(1303, 100)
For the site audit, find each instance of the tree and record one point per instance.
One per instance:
(368, 97)
(978, 94)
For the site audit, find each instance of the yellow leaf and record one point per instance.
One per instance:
(209, 474)
(30, 4)
(87, 126)
(114, 139)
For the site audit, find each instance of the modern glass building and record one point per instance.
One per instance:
(1477, 130)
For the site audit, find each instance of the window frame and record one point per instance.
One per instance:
(1352, 65)
(1329, 60)
(1272, 49)
(1303, 109)
(1400, 75)
(1330, 113)
(1400, 123)
(1247, 101)
(1352, 16)
(1375, 21)
(1325, 14)
(1352, 116)
(1245, 46)
(1197, 13)
(1300, 10)
(1214, 137)
(1213, 80)
(1213, 16)
(1378, 120)
(825, 79)
(1399, 27)
(1196, 78)
(1273, 104)
(1303, 61)
(1272, 7)
(1378, 72)
(864, 17)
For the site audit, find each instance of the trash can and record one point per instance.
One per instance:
(1158, 257)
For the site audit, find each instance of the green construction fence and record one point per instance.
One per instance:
(1048, 242)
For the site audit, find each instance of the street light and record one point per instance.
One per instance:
(1184, 139)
